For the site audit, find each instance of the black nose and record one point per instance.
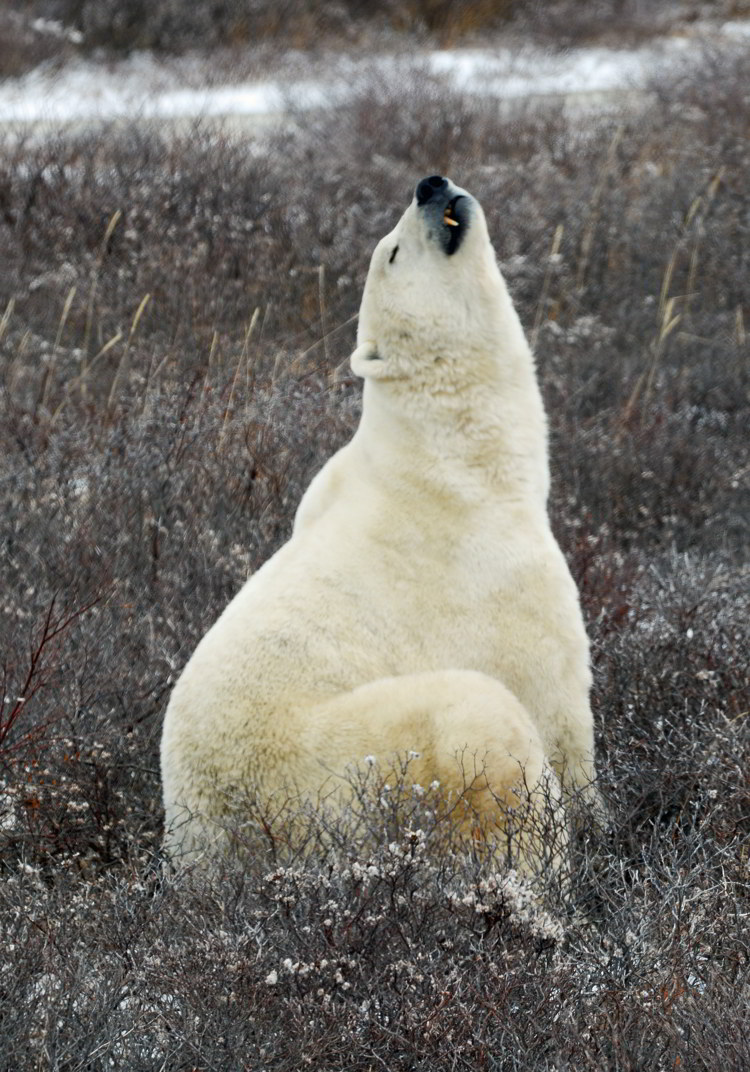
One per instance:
(427, 188)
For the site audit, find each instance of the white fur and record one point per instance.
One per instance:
(422, 602)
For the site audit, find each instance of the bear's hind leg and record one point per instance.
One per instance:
(469, 733)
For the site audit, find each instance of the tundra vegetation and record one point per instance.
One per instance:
(34, 31)
(176, 316)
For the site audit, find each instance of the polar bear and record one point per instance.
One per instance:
(421, 604)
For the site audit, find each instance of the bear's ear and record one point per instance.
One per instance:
(367, 362)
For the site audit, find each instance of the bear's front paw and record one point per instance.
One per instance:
(366, 360)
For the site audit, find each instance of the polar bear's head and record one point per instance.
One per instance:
(434, 304)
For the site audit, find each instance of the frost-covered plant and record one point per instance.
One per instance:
(157, 467)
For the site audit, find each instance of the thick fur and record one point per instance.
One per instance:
(422, 602)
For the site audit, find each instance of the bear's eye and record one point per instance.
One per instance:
(392, 257)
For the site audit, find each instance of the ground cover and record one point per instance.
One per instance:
(176, 314)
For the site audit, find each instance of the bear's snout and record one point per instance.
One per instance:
(428, 188)
(443, 207)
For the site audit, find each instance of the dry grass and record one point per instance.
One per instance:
(175, 317)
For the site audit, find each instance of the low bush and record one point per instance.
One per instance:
(35, 30)
(175, 318)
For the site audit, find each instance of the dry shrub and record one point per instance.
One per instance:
(153, 454)
(41, 29)
(26, 42)
(173, 27)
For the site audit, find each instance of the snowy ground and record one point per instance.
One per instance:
(143, 86)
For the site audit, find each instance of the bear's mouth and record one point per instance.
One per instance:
(448, 217)
(454, 222)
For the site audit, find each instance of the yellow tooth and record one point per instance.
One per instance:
(449, 221)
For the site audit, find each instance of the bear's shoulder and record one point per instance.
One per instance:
(326, 488)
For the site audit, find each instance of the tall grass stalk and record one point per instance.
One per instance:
(94, 280)
(299, 362)
(80, 380)
(5, 319)
(587, 239)
(539, 315)
(241, 361)
(211, 360)
(322, 307)
(122, 365)
(669, 318)
(47, 377)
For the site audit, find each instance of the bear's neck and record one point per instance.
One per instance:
(466, 442)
